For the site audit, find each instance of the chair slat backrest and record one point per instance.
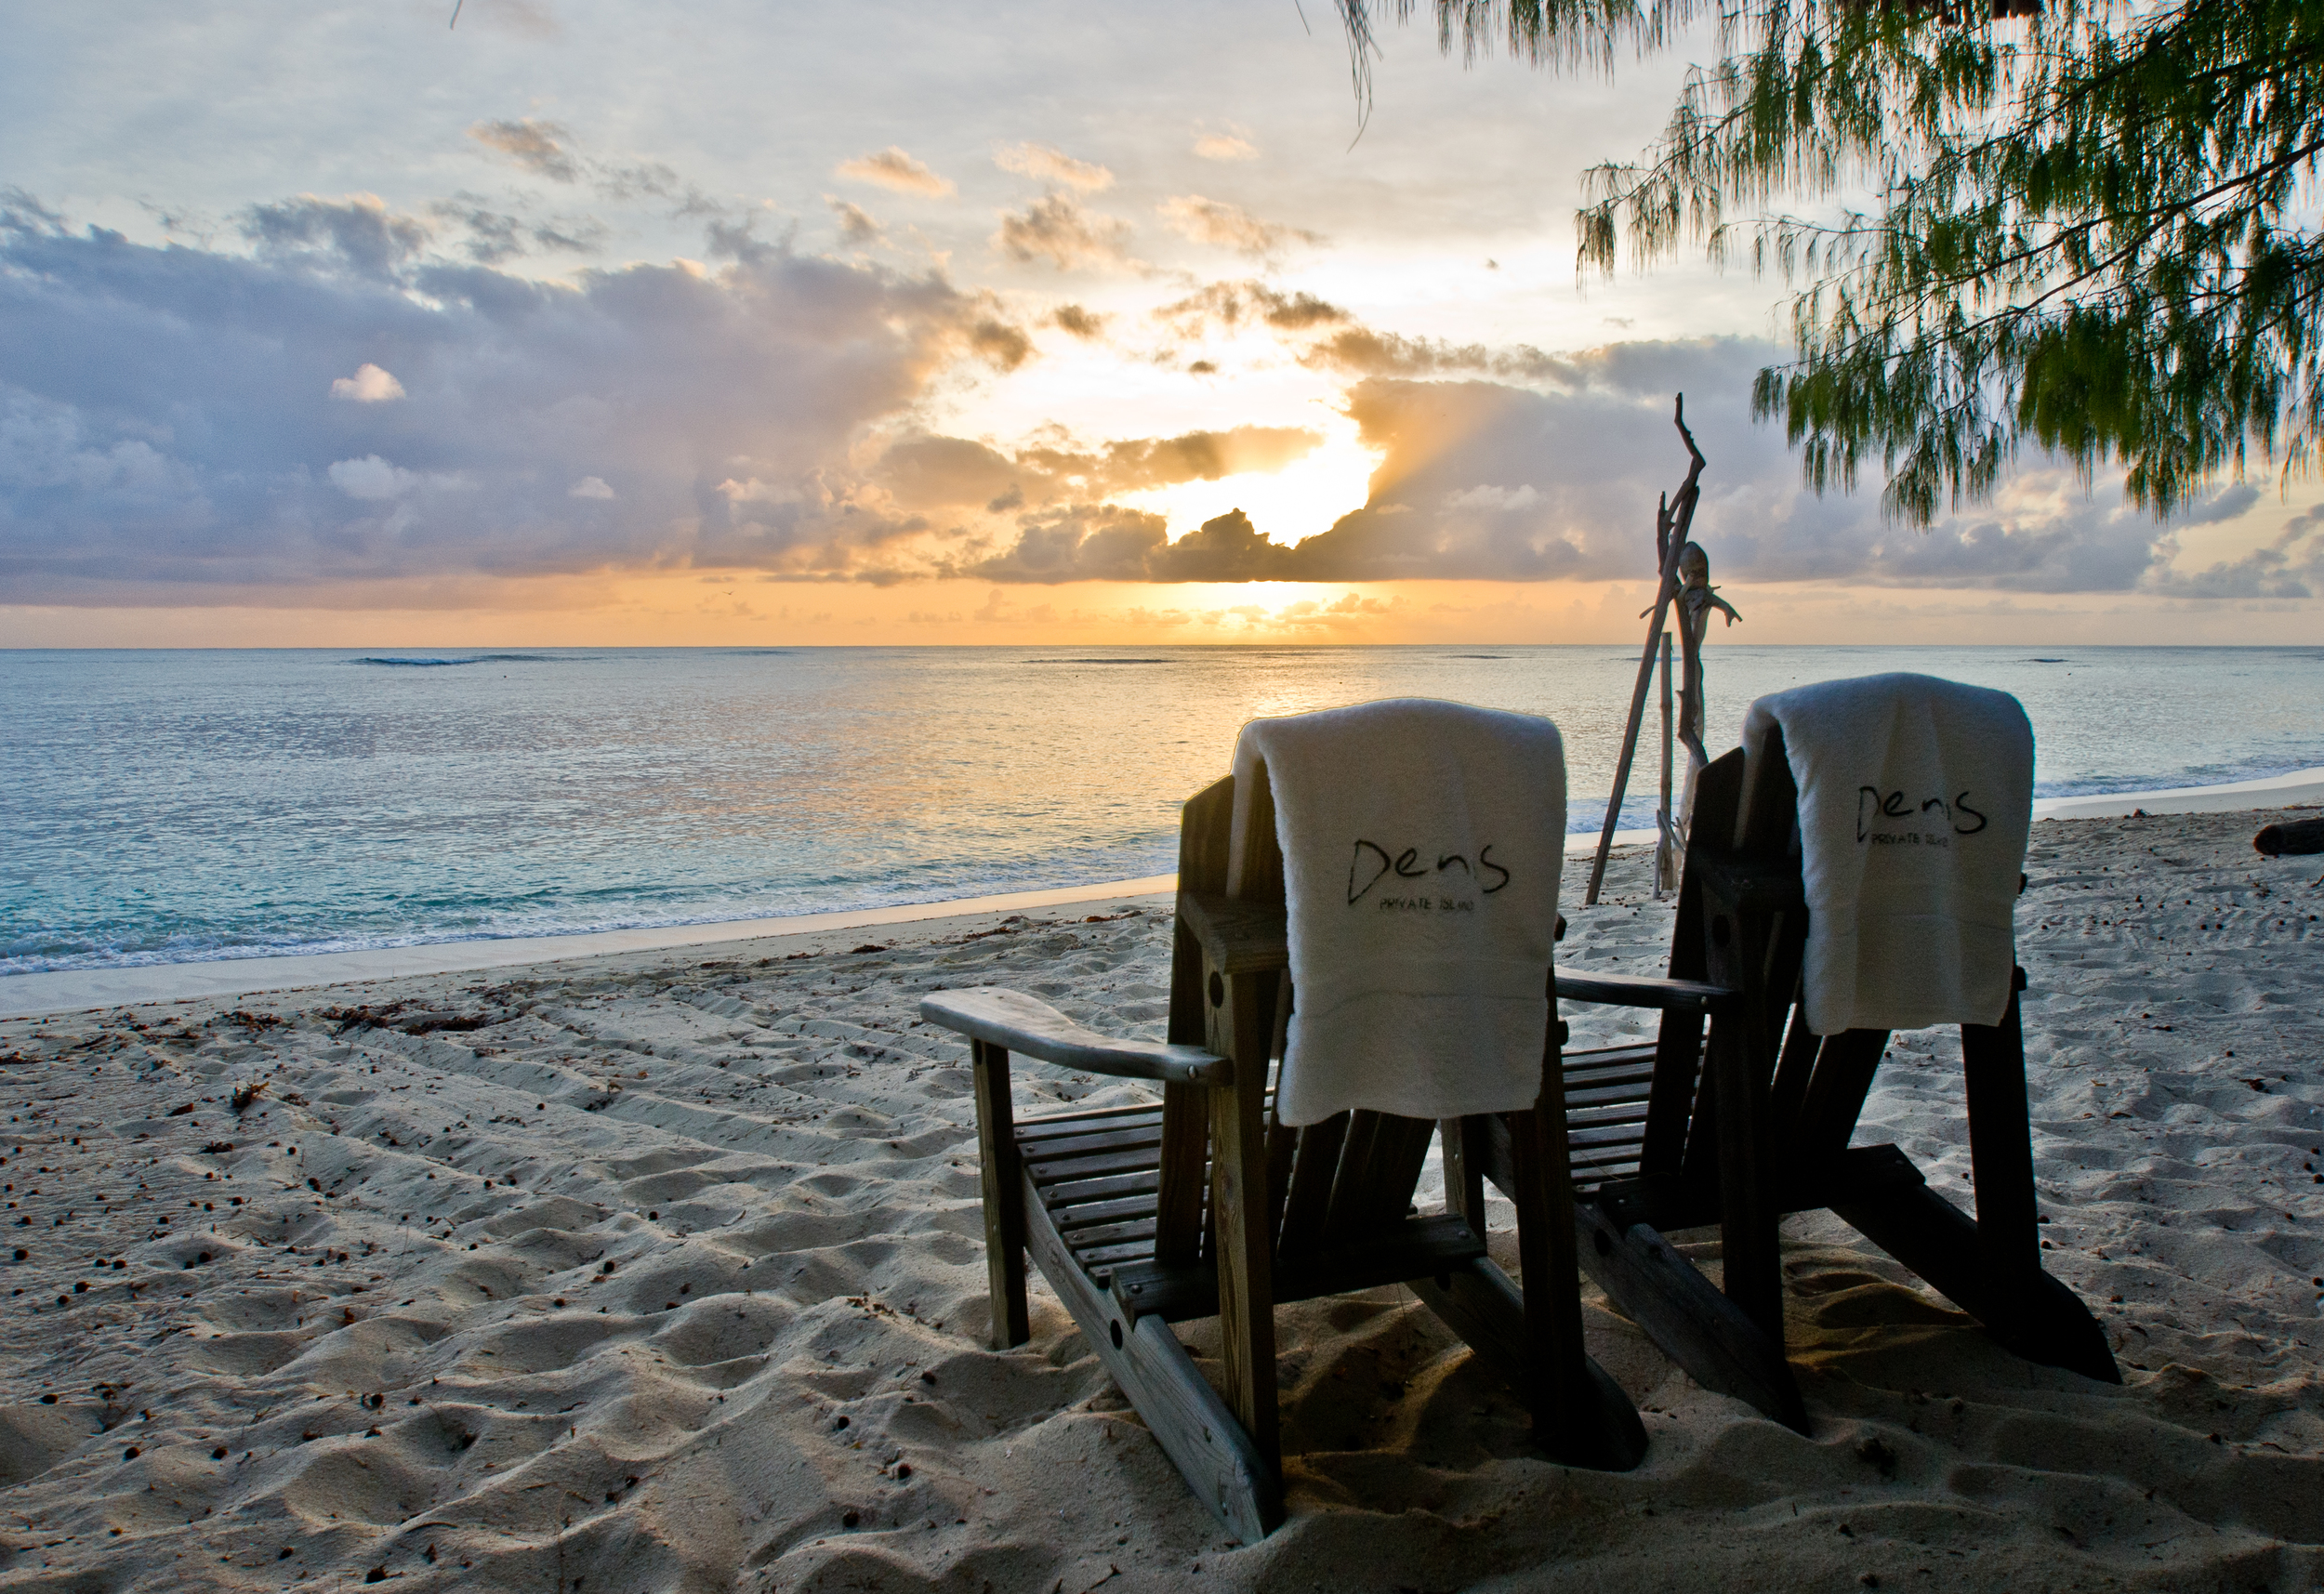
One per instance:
(1819, 1082)
(1330, 1182)
(1668, 1149)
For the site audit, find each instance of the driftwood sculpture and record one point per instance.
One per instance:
(1673, 516)
(1697, 599)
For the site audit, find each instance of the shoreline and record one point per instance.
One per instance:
(28, 995)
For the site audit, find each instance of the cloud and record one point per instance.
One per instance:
(1228, 226)
(947, 474)
(1084, 324)
(1494, 498)
(1341, 343)
(546, 149)
(1225, 147)
(490, 236)
(1055, 228)
(583, 235)
(368, 386)
(1229, 305)
(160, 438)
(1490, 480)
(535, 145)
(1484, 479)
(356, 232)
(1227, 549)
(1000, 345)
(892, 168)
(1134, 464)
(2291, 566)
(1085, 543)
(2227, 504)
(1052, 165)
(372, 478)
(857, 229)
(1106, 543)
(1361, 351)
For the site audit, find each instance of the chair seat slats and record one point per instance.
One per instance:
(1082, 1122)
(1082, 1215)
(1134, 1136)
(1112, 1234)
(1600, 1106)
(1073, 1191)
(1134, 1159)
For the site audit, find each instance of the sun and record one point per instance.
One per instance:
(1286, 505)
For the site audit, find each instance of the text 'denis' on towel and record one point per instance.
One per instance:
(1421, 844)
(1916, 798)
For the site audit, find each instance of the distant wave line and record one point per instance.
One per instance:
(476, 659)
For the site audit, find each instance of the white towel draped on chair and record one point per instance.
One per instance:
(1916, 799)
(1422, 843)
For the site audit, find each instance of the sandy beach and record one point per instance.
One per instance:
(661, 1271)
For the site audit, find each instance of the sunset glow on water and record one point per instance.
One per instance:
(165, 806)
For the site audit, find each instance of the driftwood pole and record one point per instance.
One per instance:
(1671, 519)
(1667, 847)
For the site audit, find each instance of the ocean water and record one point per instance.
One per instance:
(162, 807)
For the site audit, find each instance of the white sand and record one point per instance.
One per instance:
(386, 1355)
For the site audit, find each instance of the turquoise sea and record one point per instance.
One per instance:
(160, 806)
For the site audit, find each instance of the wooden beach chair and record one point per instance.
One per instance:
(1206, 1207)
(1740, 1127)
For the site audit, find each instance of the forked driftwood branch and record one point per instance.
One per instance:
(1673, 516)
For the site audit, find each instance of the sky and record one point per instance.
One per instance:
(583, 324)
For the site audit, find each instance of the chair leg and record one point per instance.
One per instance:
(2001, 1144)
(1239, 1211)
(1517, 1331)
(1686, 1317)
(1550, 1272)
(2029, 1312)
(1751, 1257)
(1004, 1196)
(1188, 1420)
(1741, 1066)
(1580, 1415)
(1464, 1168)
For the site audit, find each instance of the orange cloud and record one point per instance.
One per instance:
(892, 168)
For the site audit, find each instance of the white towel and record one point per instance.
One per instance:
(1916, 796)
(1422, 843)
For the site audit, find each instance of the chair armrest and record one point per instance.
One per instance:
(1642, 991)
(1237, 936)
(1021, 1023)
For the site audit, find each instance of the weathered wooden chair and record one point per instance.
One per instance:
(1206, 1205)
(1754, 1123)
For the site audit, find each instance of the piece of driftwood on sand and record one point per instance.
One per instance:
(2296, 836)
